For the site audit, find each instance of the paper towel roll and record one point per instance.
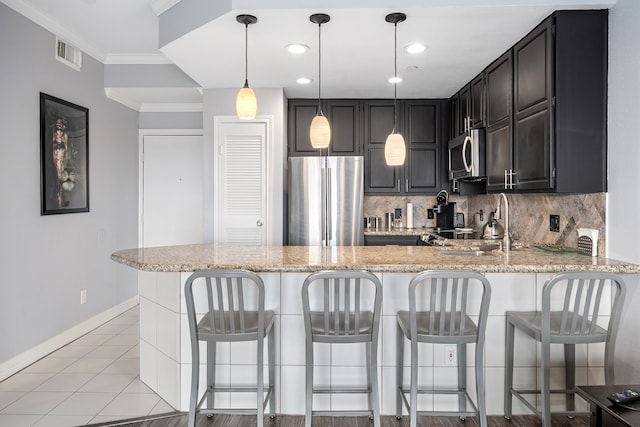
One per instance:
(409, 215)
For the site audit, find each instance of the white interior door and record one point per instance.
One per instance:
(241, 208)
(172, 190)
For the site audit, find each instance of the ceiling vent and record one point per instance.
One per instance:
(68, 54)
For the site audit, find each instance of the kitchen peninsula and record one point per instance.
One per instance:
(516, 278)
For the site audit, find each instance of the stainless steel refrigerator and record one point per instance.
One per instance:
(326, 201)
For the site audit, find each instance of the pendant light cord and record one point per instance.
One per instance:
(395, 76)
(246, 55)
(319, 68)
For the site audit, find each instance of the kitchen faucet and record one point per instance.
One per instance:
(506, 238)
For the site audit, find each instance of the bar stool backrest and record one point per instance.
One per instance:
(232, 303)
(347, 301)
(446, 297)
(585, 304)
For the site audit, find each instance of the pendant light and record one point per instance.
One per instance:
(246, 103)
(394, 147)
(320, 131)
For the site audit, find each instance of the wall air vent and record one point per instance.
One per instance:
(68, 54)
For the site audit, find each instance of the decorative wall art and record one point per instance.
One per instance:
(64, 156)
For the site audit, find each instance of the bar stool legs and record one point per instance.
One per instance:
(345, 309)
(439, 314)
(571, 310)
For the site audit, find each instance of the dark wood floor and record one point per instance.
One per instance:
(180, 420)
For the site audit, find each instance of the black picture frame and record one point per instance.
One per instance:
(64, 156)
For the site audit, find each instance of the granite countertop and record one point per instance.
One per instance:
(400, 259)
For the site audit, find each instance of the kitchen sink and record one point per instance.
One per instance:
(467, 252)
(473, 250)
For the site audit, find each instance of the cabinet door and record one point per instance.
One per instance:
(498, 155)
(455, 116)
(378, 123)
(532, 105)
(344, 118)
(477, 102)
(301, 112)
(499, 143)
(422, 136)
(464, 108)
(499, 90)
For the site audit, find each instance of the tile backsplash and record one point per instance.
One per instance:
(529, 213)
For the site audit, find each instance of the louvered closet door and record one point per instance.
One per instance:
(242, 181)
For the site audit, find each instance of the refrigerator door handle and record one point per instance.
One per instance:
(329, 210)
(323, 203)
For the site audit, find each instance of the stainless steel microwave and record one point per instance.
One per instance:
(467, 156)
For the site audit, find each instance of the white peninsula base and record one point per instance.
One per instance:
(165, 359)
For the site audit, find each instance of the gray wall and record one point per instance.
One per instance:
(47, 260)
(623, 206)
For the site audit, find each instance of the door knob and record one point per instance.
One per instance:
(259, 223)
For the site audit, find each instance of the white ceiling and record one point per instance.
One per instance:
(357, 44)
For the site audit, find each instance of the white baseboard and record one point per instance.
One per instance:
(24, 359)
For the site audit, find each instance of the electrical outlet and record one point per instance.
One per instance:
(450, 355)
(83, 296)
(554, 223)
(429, 213)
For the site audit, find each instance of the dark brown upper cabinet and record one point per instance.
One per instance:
(560, 99)
(301, 112)
(499, 90)
(478, 102)
(545, 108)
(420, 123)
(346, 127)
(378, 123)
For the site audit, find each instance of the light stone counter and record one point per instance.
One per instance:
(516, 279)
(400, 259)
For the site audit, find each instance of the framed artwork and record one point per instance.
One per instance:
(64, 156)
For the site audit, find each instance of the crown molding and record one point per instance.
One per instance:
(133, 58)
(171, 108)
(119, 97)
(35, 15)
(161, 6)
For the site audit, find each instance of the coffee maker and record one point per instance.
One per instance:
(445, 213)
(445, 218)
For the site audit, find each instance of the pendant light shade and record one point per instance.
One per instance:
(395, 150)
(320, 131)
(246, 102)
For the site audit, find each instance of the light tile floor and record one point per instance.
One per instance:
(94, 379)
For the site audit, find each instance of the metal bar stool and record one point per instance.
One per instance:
(233, 311)
(571, 308)
(345, 308)
(440, 303)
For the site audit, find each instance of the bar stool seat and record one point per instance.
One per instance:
(342, 307)
(232, 306)
(571, 310)
(439, 313)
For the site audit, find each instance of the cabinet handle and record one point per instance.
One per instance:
(406, 185)
(508, 179)
(398, 186)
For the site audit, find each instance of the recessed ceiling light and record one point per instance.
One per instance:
(297, 48)
(303, 81)
(396, 79)
(415, 48)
